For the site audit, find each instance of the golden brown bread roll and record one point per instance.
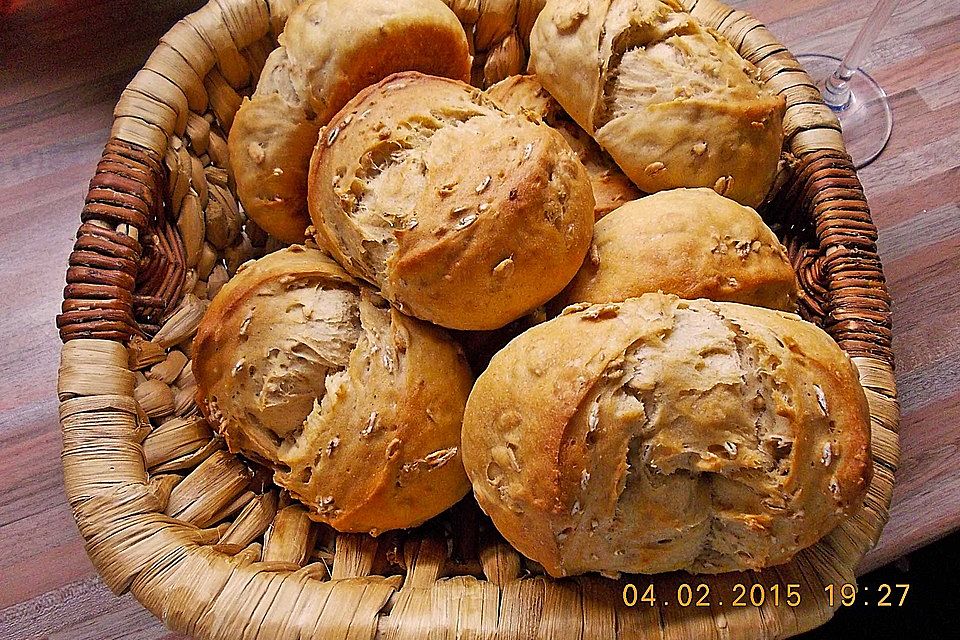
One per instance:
(329, 50)
(690, 242)
(357, 407)
(672, 102)
(461, 213)
(659, 434)
(610, 187)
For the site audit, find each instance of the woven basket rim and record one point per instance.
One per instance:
(201, 591)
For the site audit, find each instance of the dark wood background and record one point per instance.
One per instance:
(63, 64)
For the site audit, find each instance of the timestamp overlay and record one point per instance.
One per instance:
(695, 593)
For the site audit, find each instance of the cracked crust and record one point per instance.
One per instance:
(672, 102)
(356, 407)
(611, 188)
(461, 213)
(329, 50)
(659, 434)
(689, 242)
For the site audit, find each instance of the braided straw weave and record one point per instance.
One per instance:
(206, 542)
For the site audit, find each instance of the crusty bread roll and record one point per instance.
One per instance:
(329, 50)
(672, 102)
(690, 242)
(357, 407)
(659, 434)
(460, 212)
(610, 187)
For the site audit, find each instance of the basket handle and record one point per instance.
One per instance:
(123, 204)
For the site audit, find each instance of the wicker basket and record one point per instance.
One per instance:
(207, 544)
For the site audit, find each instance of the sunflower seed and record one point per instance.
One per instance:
(371, 425)
(466, 221)
(332, 445)
(821, 398)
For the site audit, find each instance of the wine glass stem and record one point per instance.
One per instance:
(837, 91)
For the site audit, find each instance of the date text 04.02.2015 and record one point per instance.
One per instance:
(758, 595)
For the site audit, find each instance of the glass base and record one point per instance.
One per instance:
(866, 119)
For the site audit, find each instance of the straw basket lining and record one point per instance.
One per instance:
(210, 547)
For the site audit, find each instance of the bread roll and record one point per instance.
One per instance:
(461, 213)
(329, 50)
(690, 242)
(672, 102)
(355, 406)
(610, 187)
(659, 434)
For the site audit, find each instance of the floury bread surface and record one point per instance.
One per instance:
(329, 50)
(355, 406)
(690, 242)
(659, 434)
(461, 213)
(672, 102)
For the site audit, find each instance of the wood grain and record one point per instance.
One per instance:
(63, 64)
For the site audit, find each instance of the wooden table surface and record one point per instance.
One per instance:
(63, 64)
